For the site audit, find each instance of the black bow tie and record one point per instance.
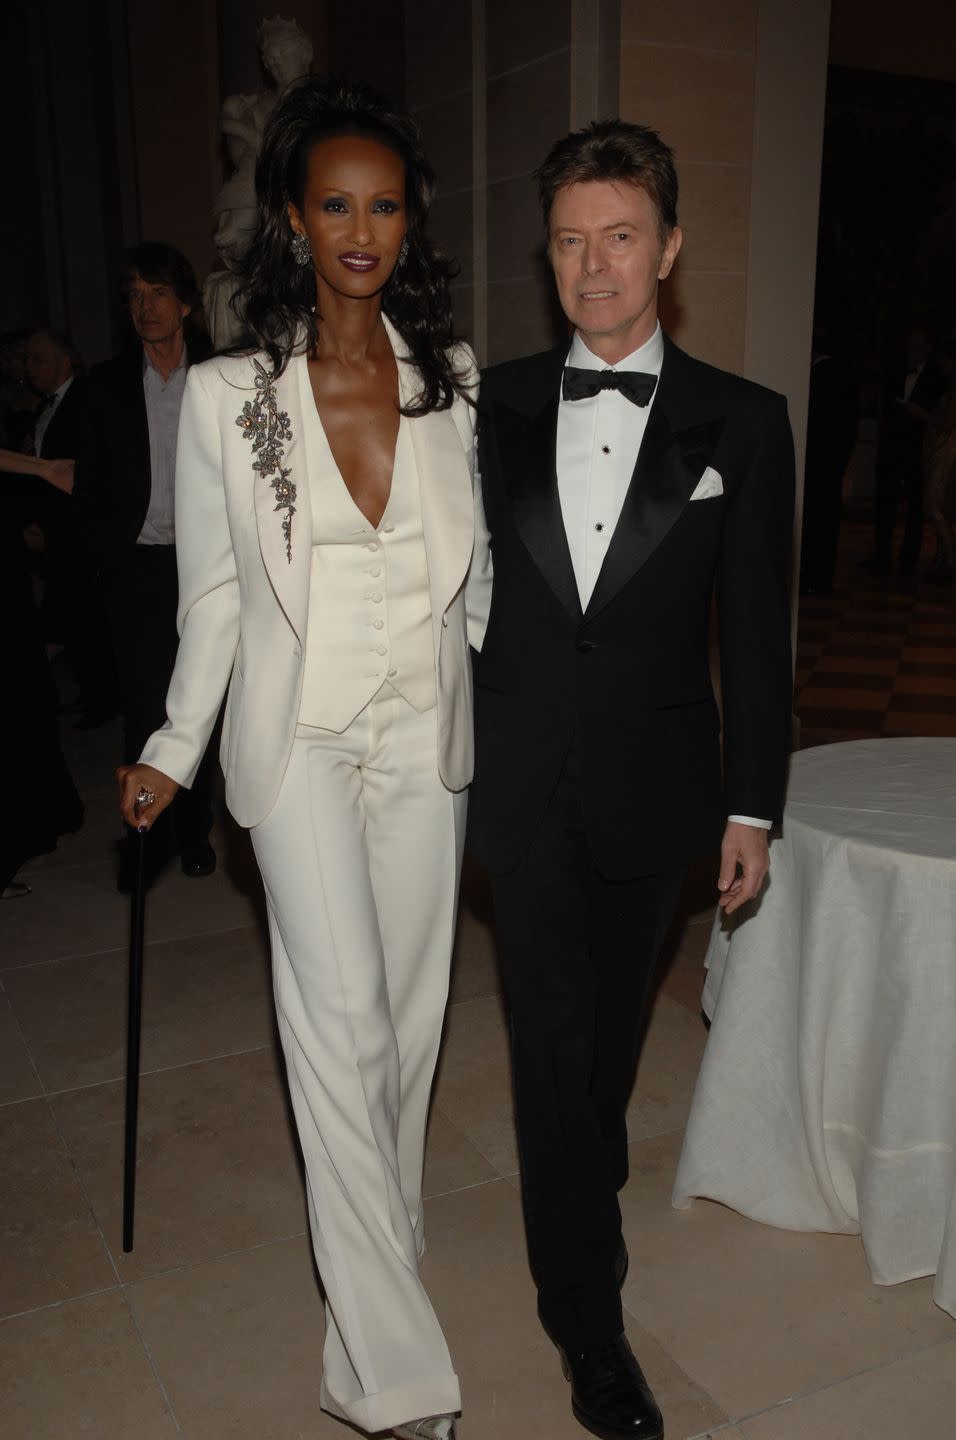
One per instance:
(585, 384)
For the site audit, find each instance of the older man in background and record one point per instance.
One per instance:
(74, 601)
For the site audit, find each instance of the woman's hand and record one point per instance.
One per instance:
(54, 472)
(60, 474)
(142, 814)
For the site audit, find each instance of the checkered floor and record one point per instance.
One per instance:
(878, 656)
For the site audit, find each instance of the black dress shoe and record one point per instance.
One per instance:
(198, 860)
(609, 1395)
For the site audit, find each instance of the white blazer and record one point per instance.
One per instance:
(243, 544)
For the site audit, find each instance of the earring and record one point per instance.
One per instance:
(301, 249)
(402, 254)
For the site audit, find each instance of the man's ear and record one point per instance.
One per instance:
(670, 252)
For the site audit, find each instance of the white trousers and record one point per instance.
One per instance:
(361, 857)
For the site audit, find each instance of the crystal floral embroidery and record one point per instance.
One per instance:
(268, 428)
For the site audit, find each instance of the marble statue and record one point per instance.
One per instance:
(286, 53)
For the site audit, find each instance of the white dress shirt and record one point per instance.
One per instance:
(598, 443)
(47, 414)
(597, 447)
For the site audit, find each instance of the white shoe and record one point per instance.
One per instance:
(433, 1427)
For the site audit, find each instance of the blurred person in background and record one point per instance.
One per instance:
(73, 603)
(939, 463)
(39, 801)
(833, 417)
(914, 391)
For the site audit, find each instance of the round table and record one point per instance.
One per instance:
(826, 1099)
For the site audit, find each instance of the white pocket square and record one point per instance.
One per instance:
(708, 485)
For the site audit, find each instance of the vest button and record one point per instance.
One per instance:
(585, 646)
(375, 573)
(381, 649)
(377, 597)
(379, 624)
(388, 528)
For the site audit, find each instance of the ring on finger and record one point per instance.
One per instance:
(145, 796)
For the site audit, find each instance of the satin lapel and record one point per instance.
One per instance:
(287, 558)
(668, 468)
(527, 452)
(448, 512)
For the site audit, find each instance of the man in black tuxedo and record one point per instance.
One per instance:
(124, 492)
(74, 598)
(623, 482)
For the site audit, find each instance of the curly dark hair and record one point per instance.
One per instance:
(276, 298)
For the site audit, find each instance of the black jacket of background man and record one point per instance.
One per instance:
(66, 435)
(65, 438)
(113, 481)
(627, 683)
(113, 486)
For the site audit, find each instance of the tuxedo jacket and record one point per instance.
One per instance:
(244, 547)
(626, 684)
(65, 438)
(112, 482)
(66, 435)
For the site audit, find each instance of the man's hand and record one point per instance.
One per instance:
(746, 846)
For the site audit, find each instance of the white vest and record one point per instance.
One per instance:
(370, 618)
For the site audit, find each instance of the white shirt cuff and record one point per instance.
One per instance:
(749, 820)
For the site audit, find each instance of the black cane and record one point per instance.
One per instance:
(134, 1011)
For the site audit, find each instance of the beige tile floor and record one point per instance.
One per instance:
(212, 1328)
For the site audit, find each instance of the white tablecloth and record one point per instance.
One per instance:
(827, 1095)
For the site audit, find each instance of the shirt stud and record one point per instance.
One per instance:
(605, 449)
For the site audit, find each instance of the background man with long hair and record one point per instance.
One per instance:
(124, 498)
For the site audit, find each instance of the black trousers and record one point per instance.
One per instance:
(89, 646)
(143, 595)
(578, 953)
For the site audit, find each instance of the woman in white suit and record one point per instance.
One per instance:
(334, 566)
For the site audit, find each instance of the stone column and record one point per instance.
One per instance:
(739, 91)
(175, 92)
(493, 85)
